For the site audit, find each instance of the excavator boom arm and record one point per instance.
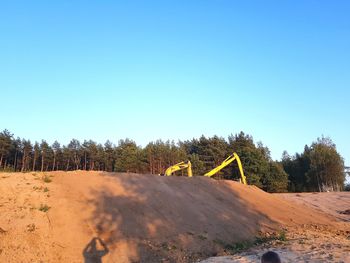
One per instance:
(179, 166)
(226, 162)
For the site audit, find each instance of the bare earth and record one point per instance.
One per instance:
(308, 244)
(94, 216)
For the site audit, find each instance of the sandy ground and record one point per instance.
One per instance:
(307, 244)
(335, 204)
(94, 216)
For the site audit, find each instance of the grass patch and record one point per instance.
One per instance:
(280, 236)
(239, 246)
(44, 208)
(46, 189)
(244, 245)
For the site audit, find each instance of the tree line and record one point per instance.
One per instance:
(318, 168)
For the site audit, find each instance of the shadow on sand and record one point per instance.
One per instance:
(147, 218)
(94, 251)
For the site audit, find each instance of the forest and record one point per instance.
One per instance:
(318, 168)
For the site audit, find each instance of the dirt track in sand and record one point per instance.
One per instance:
(139, 217)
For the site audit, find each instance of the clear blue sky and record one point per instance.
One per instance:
(279, 70)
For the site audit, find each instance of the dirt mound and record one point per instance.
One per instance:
(131, 218)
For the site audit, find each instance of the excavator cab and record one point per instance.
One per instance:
(226, 162)
(178, 167)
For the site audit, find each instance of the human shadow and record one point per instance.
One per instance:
(93, 253)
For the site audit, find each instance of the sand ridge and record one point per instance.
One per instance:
(145, 218)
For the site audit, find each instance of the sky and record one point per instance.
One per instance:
(278, 70)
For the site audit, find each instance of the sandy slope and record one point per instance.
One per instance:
(311, 243)
(137, 217)
(333, 203)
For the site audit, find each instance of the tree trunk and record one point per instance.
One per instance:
(42, 163)
(85, 161)
(150, 164)
(15, 162)
(23, 161)
(160, 167)
(34, 161)
(54, 162)
(2, 156)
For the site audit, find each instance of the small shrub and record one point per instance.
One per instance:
(173, 247)
(47, 179)
(282, 236)
(30, 227)
(44, 208)
(165, 246)
(244, 245)
(237, 247)
(36, 188)
(46, 189)
(201, 237)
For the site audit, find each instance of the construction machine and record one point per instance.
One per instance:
(178, 167)
(226, 162)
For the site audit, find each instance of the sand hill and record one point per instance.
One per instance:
(144, 218)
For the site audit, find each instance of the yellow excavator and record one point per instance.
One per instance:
(178, 167)
(226, 162)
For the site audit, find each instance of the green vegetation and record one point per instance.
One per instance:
(264, 238)
(318, 168)
(246, 244)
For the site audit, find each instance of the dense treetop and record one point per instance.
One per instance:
(318, 168)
